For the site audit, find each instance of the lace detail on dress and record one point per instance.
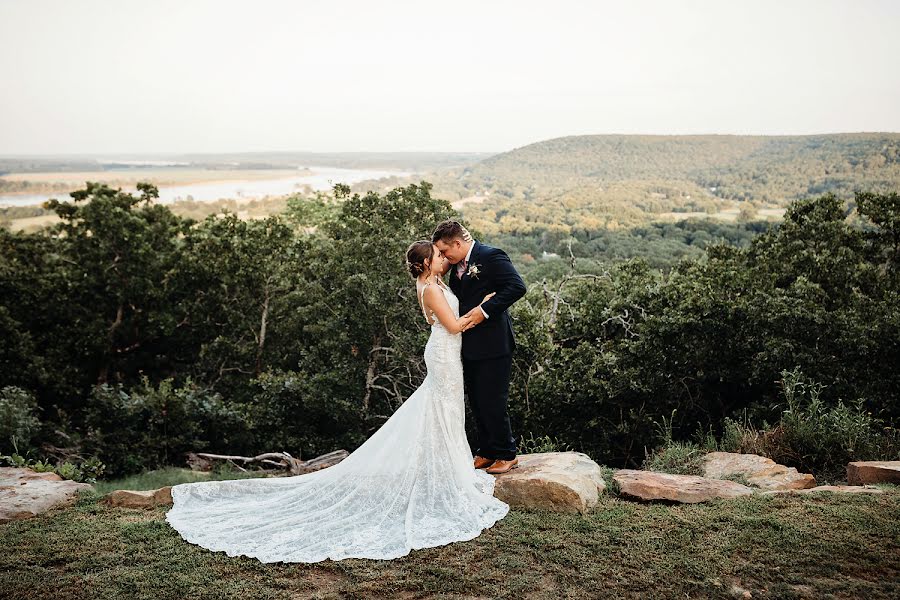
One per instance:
(433, 318)
(454, 304)
(411, 485)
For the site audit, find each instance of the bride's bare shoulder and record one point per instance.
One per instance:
(431, 291)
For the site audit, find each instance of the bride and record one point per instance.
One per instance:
(411, 485)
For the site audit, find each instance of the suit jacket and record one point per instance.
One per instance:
(493, 337)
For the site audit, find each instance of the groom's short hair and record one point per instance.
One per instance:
(450, 230)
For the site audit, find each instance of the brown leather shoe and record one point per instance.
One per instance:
(503, 466)
(482, 462)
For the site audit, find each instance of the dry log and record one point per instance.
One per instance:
(326, 460)
(62, 454)
(283, 460)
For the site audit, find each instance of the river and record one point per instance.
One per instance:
(321, 178)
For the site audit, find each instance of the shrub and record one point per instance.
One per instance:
(544, 443)
(809, 435)
(678, 457)
(814, 437)
(302, 414)
(87, 471)
(149, 426)
(18, 418)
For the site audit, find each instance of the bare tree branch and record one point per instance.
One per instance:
(283, 460)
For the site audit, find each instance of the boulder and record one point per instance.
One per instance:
(844, 489)
(140, 498)
(759, 471)
(558, 481)
(25, 493)
(873, 471)
(649, 485)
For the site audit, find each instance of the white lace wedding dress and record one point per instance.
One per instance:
(411, 485)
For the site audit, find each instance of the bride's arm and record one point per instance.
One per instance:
(435, 301)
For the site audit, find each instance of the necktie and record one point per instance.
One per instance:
(461, 268)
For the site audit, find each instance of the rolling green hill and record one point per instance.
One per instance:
(593, 182)
(768, 168)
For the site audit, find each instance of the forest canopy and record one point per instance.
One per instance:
(133, 335)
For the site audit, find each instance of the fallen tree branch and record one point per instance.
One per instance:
(203, 461)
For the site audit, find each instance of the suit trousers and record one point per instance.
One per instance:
(487, 385)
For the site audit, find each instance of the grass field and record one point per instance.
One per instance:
(820, 546)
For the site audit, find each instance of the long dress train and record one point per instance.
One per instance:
(411, 485)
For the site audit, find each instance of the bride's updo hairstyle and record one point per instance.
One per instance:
(416, 255)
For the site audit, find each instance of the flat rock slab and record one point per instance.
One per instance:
(760, 471)
(25, 493)
(140, 498)
(873, 471)
(649, 485)
(841, 489)
(558, 481)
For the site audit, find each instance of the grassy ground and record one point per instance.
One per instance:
(820, 546)
(152, 480)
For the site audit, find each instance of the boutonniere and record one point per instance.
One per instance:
(473, 271)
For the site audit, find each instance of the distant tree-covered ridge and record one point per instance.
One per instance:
(771, 168)
(594, 182)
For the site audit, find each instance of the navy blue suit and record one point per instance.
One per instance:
(487, 348)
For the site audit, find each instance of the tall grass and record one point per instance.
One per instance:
(157, 478)
(810, 435)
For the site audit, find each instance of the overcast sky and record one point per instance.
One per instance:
(335, 75)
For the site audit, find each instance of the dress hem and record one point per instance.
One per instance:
(191, 538)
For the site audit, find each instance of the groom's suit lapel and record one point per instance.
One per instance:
(454, 280)
(472, 261)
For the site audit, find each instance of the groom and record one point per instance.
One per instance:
(487, 343)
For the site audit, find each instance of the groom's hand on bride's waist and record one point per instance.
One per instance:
(476, 316)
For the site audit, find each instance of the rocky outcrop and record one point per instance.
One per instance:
(558, 481)
(649, 485)
(25, 493)
(759, 471)
(873, 471)
(140, 498)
